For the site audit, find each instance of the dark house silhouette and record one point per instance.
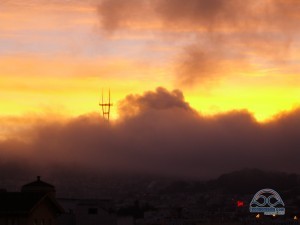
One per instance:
(34, 205)
(39, 186)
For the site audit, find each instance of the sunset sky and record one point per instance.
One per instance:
(58, 55)
(220, 56)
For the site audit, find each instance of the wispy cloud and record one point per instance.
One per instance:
(224, 31)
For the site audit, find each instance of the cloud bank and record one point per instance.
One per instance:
(157, 133)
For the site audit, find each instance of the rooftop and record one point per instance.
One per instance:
(38, 183)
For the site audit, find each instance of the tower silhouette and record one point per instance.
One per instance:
(105, 106)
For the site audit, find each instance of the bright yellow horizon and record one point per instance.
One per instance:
(71, 92)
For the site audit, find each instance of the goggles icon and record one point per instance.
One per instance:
(267, 201)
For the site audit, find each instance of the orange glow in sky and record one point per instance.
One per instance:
(57, 57)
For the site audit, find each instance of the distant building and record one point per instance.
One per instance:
(34, 205)
(87, 212)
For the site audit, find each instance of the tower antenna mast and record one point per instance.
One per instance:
(105, 106)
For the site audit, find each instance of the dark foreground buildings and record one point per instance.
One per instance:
(34, 205)
(37, 204)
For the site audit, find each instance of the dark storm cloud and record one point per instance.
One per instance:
(228, 32)
(159, 134)
(209, 14)
(215, 16)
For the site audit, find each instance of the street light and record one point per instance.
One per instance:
(295, 218)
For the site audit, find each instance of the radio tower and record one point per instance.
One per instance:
(105, 105)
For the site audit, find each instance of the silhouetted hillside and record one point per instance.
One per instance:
(251, 180)
(246, 181)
